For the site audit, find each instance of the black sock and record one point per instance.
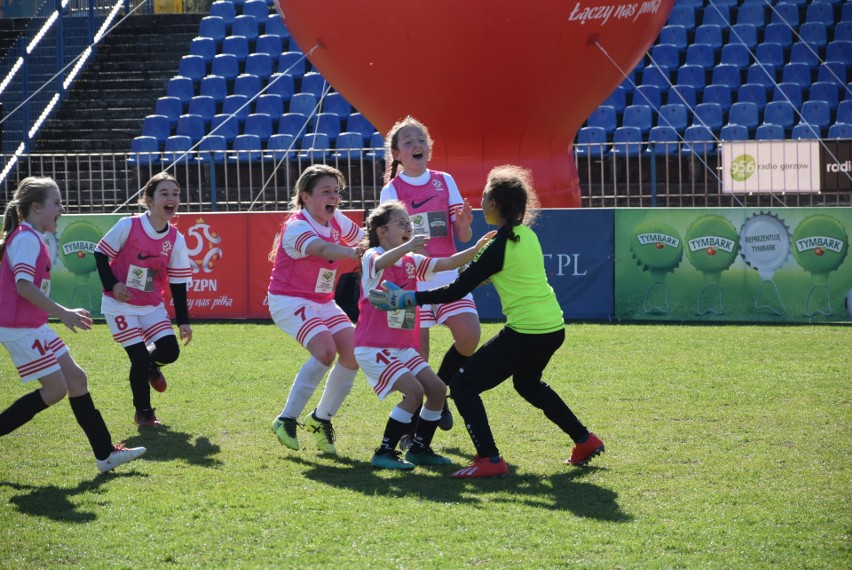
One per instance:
(21, 411)
(450, 365)
(393, 432)
(424, 431)
(93, 425)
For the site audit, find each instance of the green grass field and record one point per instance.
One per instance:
(727, 447)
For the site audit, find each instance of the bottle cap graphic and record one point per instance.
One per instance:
(711, 247)
(765, 246)
(658, 248)
(820, 245)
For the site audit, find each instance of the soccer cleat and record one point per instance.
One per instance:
(482, 467)
(426, 457)
(156, 379)
(119, 455)
(446, 421)
(583, 452)
(285, 429)
(146, 418)
(385, 458)
(323, 433)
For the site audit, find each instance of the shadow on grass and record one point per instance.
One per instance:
(164, 444)
(561, 492)
(55, 503)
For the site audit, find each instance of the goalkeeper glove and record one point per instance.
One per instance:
(392, 299)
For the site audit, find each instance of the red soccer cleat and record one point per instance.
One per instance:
(482, 467)
(583, 452)
(146, 418)
(156, 379)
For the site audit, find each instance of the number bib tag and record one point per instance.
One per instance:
(431, 224)
(140, 278)
(402, 318)
(325, 281)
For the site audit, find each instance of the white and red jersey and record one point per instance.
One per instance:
(145, 260)
(432, 200)
(26, 258)
(297, 274)
(391, 329)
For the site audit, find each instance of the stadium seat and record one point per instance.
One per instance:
(665, 56)
(377, 147)
(720, 94)
(737, 55)
(591, 142)
(246, 25)
(771, 54)
(832, 71)
(627, 141)
(191, 126)
(752, 14)
(804, 131)
(281, 84)
(716, 15)
(732, 132)
(763, 75)
(710, 34)
(226, 65)
(212, 148)
(825, 91)
(314, 83)
(227, 126)
(709, 115)
(843, 30)
(701, 55)
(295, 124)
(802, 52)
(212, 27)
(259, 64)
(327, 123)
(304, 103)
(144, 150)
(779, 113)
(778, 34)
(814, 33)
(256, 8)
(271, 45)
(745, 34)
(214, 86)
(236, 105)
(785, 13)
(692, 75)
(839, 50)
(177, 150)
(275, 25)
(247, 84)
(647, 95)
(769, 132)
(192, 66)
(788, 92)
(348, 146)
(605, 117)
(820, 12)
(846, 12)
(203, 106)
(844, 112)
(682, 95)
(180, 87)
(727, 74)
(281, 146)
(238, 46)
(204, 48)
(171, 107)
(700, 140)
(653, 75)
(358, 123)
(663, 140)
(271, 104)
(798, 73)
(752, 93)
(158, 127)
(247, 148)
(315, 147)
(292, 62)
(840, 131)
(675, 35)
(225, 10)
(674, 115)
(745, 114)
(260, 125)
(337, 104)
(682, 16)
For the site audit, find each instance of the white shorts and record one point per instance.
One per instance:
(384, 366)
(303, 319)
(431, 315)
(132, 327)
(35, 353)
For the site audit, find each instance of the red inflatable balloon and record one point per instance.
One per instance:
(496, 81)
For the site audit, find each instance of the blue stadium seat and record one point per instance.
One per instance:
(752, 14)
(681, 94)
(798, 73)
(247, 84)
(627, 141)
(214, 86)
(227, 65)
(605, 117)
(788, 92)
(721, 94)
(292, 62)
(839, 50)
(653, 75)
(348, 146)
(213, 27)
(204, 48)
(617, 99)
(716, 15)
(844, 112)
(203, 106)
(315, 147)
(710, 34)
(709, 115)
(591, 142)
(211, 149)
(808, 54)
(682, 16)
(752, 93)
(256, 8)
(225, 10)
(779, 113)
(843, 30)
(259, 64)
(337, 104)
(649, 95)
(281, 84)
(304, 103)
(846, 12)
(237, 105)
(663, 140)
(832, 71)
(769, 55)
(745, 34)
(281, 146)
(358, 123)
(192, 66)
(227, 126)
(675, 35)
(825, 91)
(171, 107)
(271, 104)
(246, 25)
(260, 125)
(314, 83)
(785, 13)
(700, 140)
(674, 115)
(238, 46)
(295, 124)
(377, 147)
(814, 33)
(732, 132)
(180, 87)
(247, 148)
(745, 114)
(840, 131)
(804, 131)
(727, 74)
(692, 75)
(701, 55)
(275, 25)
(666, 56)
(157, 126)
(327, 123)
(191, 126)
(271, 45)
(761, 75)
(144, 150)
(820, 12)
(769, 132)
(177, 150)
(737, 55)
(780, 34)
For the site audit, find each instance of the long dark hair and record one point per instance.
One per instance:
(392, 144)
(31, 190)
(511, 188)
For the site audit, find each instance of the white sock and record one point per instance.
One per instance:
(430, 415)
(337, 387)
(401, 415)
(306, 381)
